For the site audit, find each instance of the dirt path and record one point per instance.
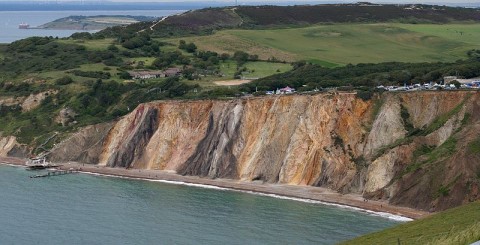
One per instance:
(304, 192)
(232, 82)
(158, 22)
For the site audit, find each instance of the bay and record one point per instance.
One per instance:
(9, 21)
(86, 209)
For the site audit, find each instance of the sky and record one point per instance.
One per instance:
(279, 1)
(289, 2)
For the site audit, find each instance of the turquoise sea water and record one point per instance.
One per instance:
(85, 209)
(9, 21)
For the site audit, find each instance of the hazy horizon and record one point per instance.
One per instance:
(29, 5)
(243, 1)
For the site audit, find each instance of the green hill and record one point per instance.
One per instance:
(340, 44)
(456, 226)
(330, 35)
(207, 21)
(353, 13)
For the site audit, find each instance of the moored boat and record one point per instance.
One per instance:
(38, 164)
(23, 26)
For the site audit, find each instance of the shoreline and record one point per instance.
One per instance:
(299, 193)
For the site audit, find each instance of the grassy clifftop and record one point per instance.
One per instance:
(340, 44)
(456, 226)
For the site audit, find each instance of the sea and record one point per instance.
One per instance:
(9, 21)
(90, 209)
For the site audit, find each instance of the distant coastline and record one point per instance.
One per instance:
(12, 19)
(91, 22)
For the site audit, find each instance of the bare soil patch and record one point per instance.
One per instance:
(232, 82)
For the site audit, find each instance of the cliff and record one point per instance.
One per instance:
(419, 149)
(10, 147)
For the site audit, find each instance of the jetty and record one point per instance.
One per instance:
(55, 173)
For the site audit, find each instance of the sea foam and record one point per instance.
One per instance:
(370, 212)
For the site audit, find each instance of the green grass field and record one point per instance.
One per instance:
(328, 45)
(261, 69)
(100, 44)
(258, 69)
(146, 60)
(340, 44)
(455, 226)
(51, 76)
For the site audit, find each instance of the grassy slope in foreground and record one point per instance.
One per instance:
(340, 44)
(455, 226)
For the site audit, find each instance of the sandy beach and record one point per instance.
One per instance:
(302, 192)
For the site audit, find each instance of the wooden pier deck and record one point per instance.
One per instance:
(55, 173)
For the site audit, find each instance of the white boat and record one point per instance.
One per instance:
(23, 26)
(38, 163)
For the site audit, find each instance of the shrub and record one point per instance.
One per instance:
(124, 75)
(406, 118)
(64, 80)
(240, 57)
(92, 74)
(443, 191)
(456, 83)
(81, 35)
(113, 48)
(474, 146)
(365, 95)
(190, 48)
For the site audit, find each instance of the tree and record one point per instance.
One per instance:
(124, 75)
(474, 54)
(189, 74)
(456, 83)
(166, 59)
(253, 57)
(136, 42)
(240, 57)
(224, 56)
(174, 88)
(298, 64)
(191, 48)
(64, 80)
(182, 44)
(113, 48)
(213, 60)
(81, 35)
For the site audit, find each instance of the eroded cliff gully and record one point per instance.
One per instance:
(419, 149)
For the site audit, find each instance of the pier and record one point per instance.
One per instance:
(55, 173)
(41, 167)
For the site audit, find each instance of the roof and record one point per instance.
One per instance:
(173, 69)
(145, 73)
(287, 88)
